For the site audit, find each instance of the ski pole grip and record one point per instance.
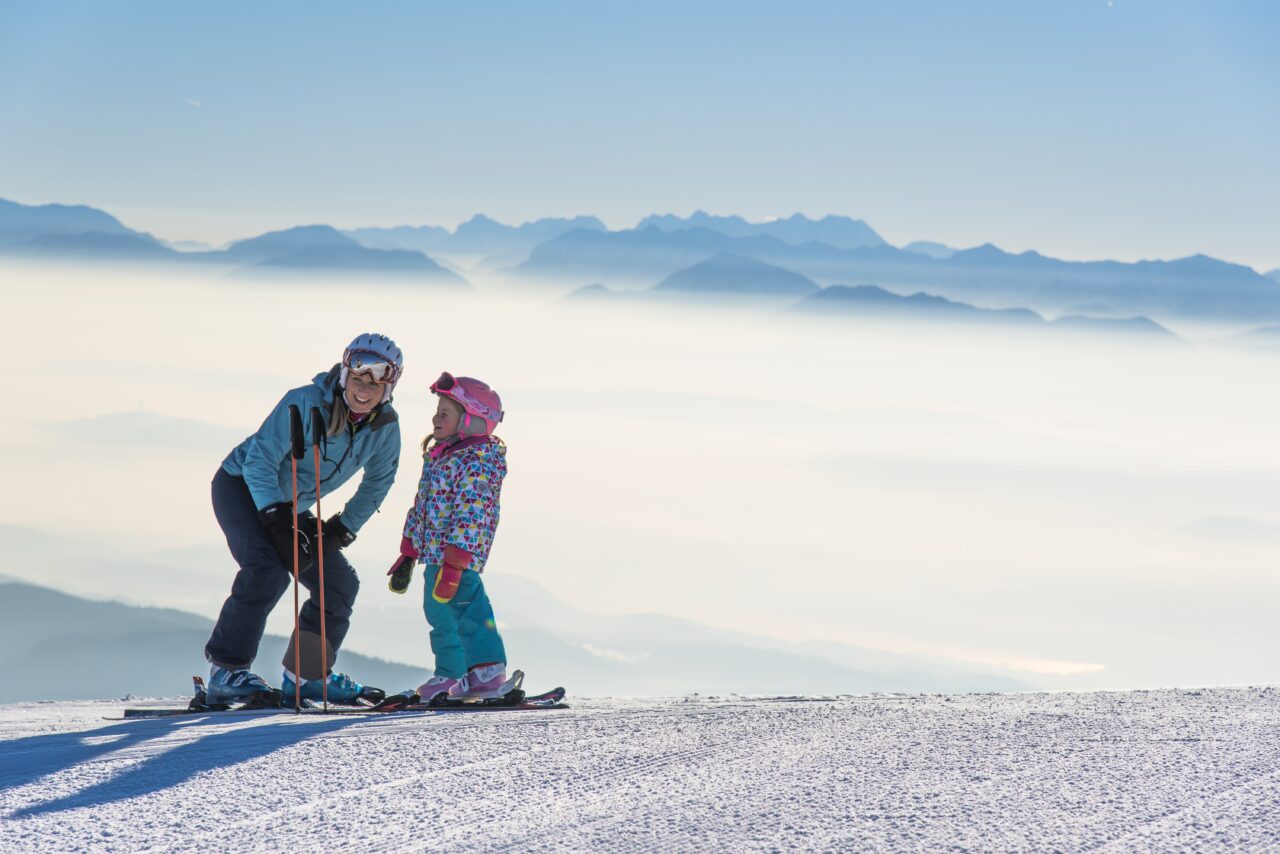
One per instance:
(296, 437)
(318, 426)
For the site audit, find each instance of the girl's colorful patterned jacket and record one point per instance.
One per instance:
(457, 503)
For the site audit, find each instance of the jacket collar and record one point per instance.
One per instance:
(442, 451)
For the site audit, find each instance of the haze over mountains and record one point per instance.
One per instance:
(1192, 288)
(568, 253)
(154, 652)
(726, 273)
(60, 647)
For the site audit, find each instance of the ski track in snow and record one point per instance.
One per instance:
(1111, 772)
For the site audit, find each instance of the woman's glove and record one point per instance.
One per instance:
(401, 571)
(336, 533)
(456, 562)
(277, 521)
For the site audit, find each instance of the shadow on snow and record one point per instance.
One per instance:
(25, 760)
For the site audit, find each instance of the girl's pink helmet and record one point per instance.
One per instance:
(476, 399)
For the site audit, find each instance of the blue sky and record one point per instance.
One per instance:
(1083, 129)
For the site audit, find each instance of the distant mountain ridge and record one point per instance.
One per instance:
(321, 248)
(76, 232)
(871, 301)
(59, 647)
(475, 232)
(422, 238)
(1196, 287)
(297, 239)
(54, 646)
(90, 245)
(732, 277)
(20, 223)
(644, 254)
(571, 252)
(839, 231)
(494, 242)
(929, 248)
(726, 273)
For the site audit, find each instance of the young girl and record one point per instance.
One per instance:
(450, 531)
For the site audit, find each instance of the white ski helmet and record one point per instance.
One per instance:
(376, 355)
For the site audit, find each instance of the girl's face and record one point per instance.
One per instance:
(447, 419)
(363, 393)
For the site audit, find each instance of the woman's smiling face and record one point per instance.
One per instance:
(363, 393)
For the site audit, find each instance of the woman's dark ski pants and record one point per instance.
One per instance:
(262, 580)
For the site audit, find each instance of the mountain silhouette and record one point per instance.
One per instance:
(725, 273)
(21, 223)
(875, 302)
(87, 233)
(597, 292)
(496, 243)
(578, 251)
(96, 245)
(422, 238)
(54, 646)
(323, 248)
(499, 245)
(643, 255)
(869, 300)
(478, 231)
(929, 249)
(838, 231)
(59, 647)
(1144, 326)
(298, 239)
(73, 231)
(1197, 287)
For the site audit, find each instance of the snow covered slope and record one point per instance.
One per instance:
(1108, 771)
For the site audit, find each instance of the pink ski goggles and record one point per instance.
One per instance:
(371, 363)
(450, 387)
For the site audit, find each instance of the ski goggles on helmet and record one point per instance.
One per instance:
(449, 386)
(371, 363)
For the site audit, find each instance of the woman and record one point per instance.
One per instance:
(252, 500)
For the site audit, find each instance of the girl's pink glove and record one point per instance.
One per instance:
(401, 571)
(408, 555)
(456, 562)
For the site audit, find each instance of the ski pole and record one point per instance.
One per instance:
(317, 433)
(298, 448)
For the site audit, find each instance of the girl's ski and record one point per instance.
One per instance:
(272, 702)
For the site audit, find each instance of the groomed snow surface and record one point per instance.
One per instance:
(1137, 771)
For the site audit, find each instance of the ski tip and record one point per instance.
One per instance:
(396, 702)
(372, 696)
